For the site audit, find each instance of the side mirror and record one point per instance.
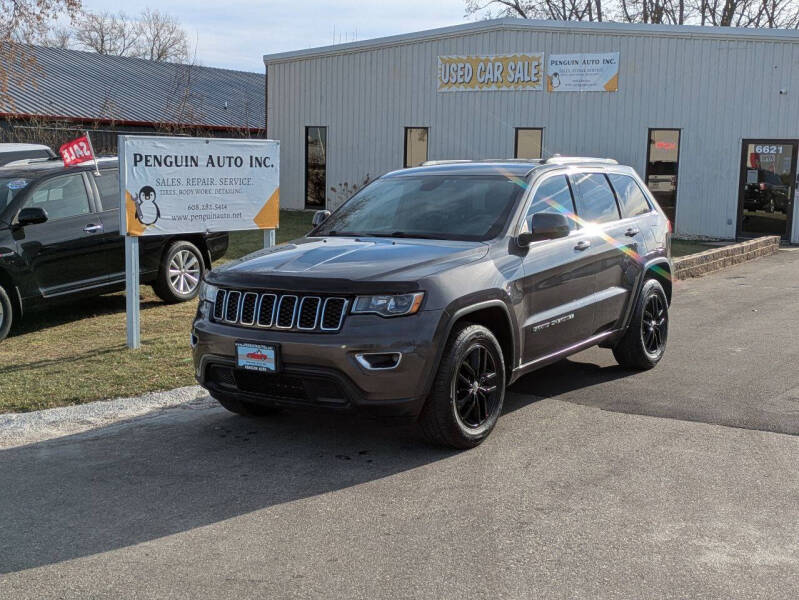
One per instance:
(31, 215)
(549, 226)
(319, 217)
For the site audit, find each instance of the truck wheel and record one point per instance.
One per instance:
(181, 271)
(6, 313)
(644, 343)
(468, 392)
(245, 409)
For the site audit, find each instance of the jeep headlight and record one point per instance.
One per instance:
(388, 306)
(208, 292)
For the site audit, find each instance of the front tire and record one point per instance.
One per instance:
(6, 313)
(644, 343)
(468, 392)
(245, 409)
(182, 269)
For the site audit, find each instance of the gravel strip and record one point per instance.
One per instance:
(19, 429)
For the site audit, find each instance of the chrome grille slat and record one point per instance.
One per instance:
(249, 302)
(232, 306)
(282, 311)
(329, 320)
(266, 310)
(219, 304)
(313, 304)
(269, 310)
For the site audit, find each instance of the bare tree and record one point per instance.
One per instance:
(666, 12)
(107, 33)
(20, 19)
(161, 37)
(557, 10)
(153, 35)
(722, 13)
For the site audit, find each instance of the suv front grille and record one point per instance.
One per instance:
(281, 311)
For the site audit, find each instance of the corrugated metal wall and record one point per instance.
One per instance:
(717, 91)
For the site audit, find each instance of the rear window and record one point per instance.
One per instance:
(631, 198)
(595, 200)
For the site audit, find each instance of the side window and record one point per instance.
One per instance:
(632, 199)
(553, 196)
(108, 186)
(594, 198)
(62, 197)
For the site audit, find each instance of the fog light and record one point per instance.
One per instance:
(382, 361)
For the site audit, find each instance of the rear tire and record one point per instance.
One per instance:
(182, 269)
(644, 343)
(6, 313)
(468, 391)
(245, 409)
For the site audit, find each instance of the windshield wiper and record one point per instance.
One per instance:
(403, 234)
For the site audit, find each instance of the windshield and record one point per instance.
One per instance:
(10, 188)
(450, 207)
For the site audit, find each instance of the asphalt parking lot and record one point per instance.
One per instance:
(597, 483)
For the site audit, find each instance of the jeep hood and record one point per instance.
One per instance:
(347, 264)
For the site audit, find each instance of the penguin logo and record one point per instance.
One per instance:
(147, 211)
(555, 80)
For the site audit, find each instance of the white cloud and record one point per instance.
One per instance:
(236, 34)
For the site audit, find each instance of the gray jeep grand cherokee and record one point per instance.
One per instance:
(432, 289)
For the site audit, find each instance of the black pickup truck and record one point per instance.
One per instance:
(60, 241)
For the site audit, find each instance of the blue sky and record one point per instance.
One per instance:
(235, 34)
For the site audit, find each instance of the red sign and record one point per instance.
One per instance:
(77, 151)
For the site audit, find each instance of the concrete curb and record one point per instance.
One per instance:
(709, 261)
(19, 429)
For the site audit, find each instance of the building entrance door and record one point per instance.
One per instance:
(767, 187)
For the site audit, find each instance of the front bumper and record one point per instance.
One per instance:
(320, 370)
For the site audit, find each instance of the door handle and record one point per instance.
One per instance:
(93, 228)
(632, 232)
(583, 245)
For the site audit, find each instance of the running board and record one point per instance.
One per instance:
(555, 356)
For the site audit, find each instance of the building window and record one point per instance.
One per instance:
(528, 142)
(415, 146)
(662, 159)
(315, 167)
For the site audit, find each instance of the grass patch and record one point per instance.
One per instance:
(685, 247)
(76, 353)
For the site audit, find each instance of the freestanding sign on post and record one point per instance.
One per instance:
(176, 185)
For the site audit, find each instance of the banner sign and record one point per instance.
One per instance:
(491, 73)
(583, 72)
(194, 185)
(76, 151)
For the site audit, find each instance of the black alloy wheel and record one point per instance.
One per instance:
(653, 325)
(644, 343)
(474, 388)
(468, 391)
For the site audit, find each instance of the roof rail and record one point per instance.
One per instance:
(567, 160)
(24, 162)
(453, 161)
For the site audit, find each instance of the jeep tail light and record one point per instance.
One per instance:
(762, 186)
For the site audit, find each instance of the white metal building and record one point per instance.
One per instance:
(709, 116)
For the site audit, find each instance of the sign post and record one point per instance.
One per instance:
(269, 238)
(179, 185)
